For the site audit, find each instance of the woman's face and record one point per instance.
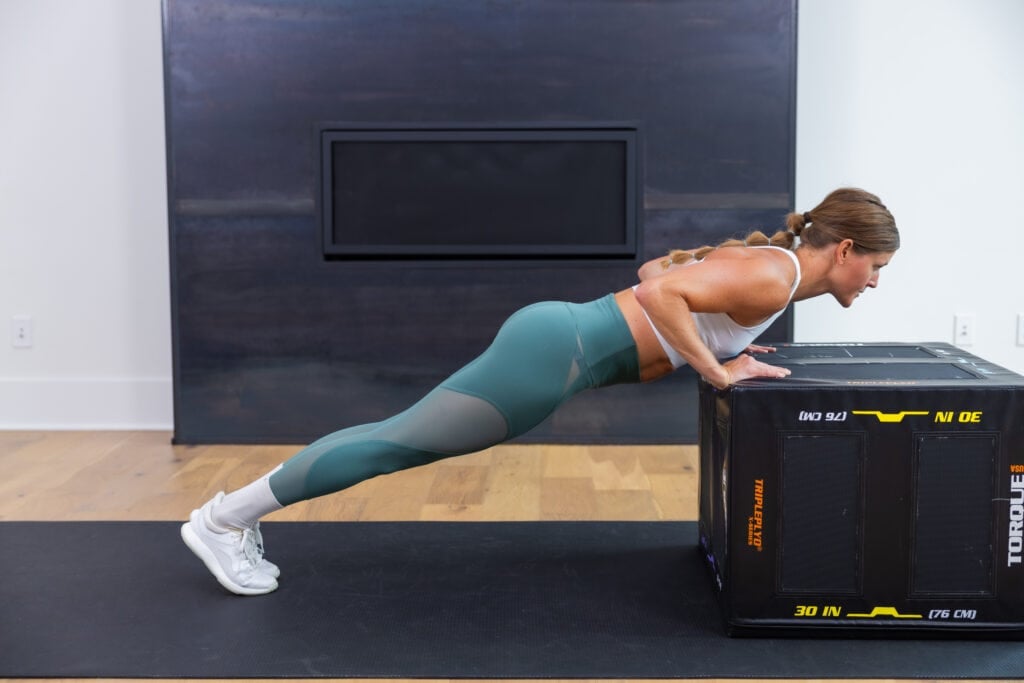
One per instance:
(855, 272)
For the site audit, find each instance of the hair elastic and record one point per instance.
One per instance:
(807, 217)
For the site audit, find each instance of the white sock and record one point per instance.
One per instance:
(241, 509)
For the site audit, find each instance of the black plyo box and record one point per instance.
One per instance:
(878, 490)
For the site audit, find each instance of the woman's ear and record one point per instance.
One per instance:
(843, 251)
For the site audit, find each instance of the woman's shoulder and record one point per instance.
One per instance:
(766, 276)
(765, 260)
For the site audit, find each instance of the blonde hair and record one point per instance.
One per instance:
(846, 213)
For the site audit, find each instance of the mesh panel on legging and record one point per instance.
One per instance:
(535, 363)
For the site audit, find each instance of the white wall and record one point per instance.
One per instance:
(83, 217)
(919, 101)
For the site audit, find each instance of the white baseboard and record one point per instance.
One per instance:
(86, 403)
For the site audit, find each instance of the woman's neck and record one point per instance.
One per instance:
(815, 265)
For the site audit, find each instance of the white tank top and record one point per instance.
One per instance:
(720, 333)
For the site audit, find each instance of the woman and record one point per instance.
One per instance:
(695, 307)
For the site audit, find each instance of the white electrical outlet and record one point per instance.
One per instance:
(1020, 329)
(21, 331)
(963, 329)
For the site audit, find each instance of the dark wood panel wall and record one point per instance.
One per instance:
(274, 343)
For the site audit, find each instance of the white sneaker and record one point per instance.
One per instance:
(233, 556)
(266, 566)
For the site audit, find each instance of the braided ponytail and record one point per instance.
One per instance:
(784, 239)
(846, 213)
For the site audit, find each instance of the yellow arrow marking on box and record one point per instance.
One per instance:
(891, 417)
(884, 612)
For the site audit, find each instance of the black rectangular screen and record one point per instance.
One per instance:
(814, 351)
(483, 193)
(955, 490)
(877, 371)
(821, 512)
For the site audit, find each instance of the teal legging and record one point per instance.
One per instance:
(542, 356)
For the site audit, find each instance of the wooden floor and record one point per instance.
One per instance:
(65, 476)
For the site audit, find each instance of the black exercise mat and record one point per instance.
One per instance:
(411, 600)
